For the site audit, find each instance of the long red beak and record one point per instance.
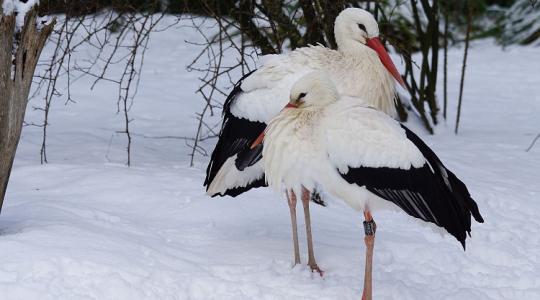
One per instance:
(258, 141)
(260, 138)
(375, 44)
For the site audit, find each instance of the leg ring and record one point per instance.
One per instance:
(370, 227)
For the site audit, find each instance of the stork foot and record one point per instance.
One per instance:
(315, 268)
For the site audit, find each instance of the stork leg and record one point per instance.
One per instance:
(311, 255)
(369, 227)
(291, 200)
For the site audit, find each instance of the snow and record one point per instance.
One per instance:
(19, 7)
(85, 226)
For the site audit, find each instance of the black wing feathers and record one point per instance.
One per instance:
(431, 193)
(236, 135)
(248, 156)
(457, 186)
(233, 192)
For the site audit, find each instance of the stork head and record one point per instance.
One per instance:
(312, 90)
(355, 24)
(355, 27)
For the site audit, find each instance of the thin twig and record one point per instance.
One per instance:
(533, 142)
(464, 65)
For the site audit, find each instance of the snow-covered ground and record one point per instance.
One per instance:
(85, 226)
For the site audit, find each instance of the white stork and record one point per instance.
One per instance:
(360, 66)
(364, 157)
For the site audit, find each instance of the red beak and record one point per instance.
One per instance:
(260, 138)
(290, 105)
(375, 44)
(258, 141)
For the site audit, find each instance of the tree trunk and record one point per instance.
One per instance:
(16, 74)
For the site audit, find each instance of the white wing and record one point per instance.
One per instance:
(266, 91)
(357, 136)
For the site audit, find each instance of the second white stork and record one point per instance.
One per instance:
(364, 157)
(360, 66)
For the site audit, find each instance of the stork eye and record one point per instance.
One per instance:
(302, 95)
(362, 27)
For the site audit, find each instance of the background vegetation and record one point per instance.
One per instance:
(420, 31)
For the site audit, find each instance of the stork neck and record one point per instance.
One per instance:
(307, 115)
(377, 84)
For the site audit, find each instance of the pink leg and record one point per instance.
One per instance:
(369, 227)
(291, 200)
(306, 197)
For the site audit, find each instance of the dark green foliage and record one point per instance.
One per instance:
(410, 26)
(521, 24)
(85, 7)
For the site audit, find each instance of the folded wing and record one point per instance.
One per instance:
(370, 150)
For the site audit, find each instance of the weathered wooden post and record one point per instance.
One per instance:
(19, 55)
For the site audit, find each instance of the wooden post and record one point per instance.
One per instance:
(16, 74)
